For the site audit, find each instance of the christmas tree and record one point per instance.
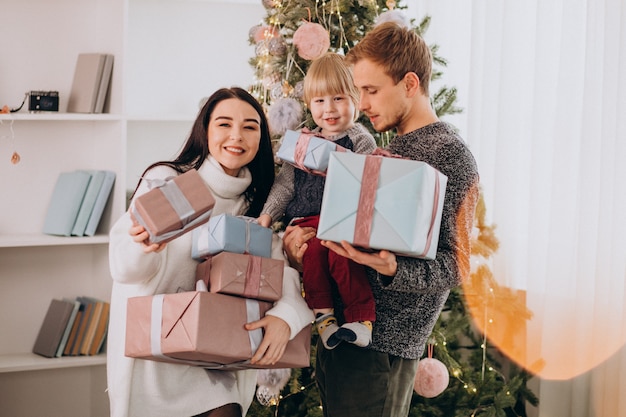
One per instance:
(478, 378)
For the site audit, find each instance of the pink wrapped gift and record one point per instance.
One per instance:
(243, 275)
(204, 329)
(173, 206)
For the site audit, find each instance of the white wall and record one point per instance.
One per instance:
(203, 46)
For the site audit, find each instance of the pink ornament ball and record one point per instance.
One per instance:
(265, 33)
(431, 379)
(311, 40)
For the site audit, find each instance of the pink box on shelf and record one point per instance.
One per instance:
(243, 275)
(204, 329)
(174, 206)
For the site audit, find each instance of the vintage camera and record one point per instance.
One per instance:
(43, 101)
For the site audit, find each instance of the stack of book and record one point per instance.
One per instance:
(77, 203)
(73, 328)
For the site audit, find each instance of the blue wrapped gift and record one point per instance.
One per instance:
(381, 202)
(306, 150)
(228, 233)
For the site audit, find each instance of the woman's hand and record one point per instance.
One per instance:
(383, 261)
(275, 338)
(294, 244)
(140, 235)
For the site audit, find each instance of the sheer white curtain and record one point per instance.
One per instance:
(543, 87)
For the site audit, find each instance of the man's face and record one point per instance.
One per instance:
(382, 100)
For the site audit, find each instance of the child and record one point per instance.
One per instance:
(296, 196)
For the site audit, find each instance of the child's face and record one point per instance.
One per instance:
(334, 114)
(234, 134)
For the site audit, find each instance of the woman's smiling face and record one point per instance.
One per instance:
(234, 134)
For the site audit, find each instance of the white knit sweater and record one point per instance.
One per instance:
(140, 387)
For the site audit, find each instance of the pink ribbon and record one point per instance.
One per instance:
(300, 151)
(429, 237)
(367, 198)
(252, 286)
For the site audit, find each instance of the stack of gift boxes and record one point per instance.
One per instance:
(237, 283)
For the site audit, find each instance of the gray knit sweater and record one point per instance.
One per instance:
(408, 304)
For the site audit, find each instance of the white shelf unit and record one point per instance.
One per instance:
(35, 268)
(168, 55)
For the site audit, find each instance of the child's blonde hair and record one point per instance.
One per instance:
(329, 75)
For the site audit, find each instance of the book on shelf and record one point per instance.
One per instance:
(67, 350)
(68, 327)
(84, 323)
(53, 327)
(101, 330)
(67, 197)
(92, 325)
(89, 200)
(90, 85)
(78, 202)
(100, 203)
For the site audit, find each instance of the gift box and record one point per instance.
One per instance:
(307, 151)
(243, 275)
(204, 329)
(381, 202)
(228, 233)
(173, 206)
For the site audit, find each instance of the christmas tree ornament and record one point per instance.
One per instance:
(276, 92)
(252, 33)
(265, 396)
(277, 46)
(396, 16)
(271, 4)
(284, 114)
(432, 376)
(311, 40)
(15, 158)
(298, 90)
(261, 49)
(274, 379)
(265, 33)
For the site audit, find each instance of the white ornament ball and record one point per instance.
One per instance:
(284, 114)
(431, 379)
(266, 396)
(311, 40)
(395, 16)
(274, 379)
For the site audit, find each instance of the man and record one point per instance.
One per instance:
(392, 68)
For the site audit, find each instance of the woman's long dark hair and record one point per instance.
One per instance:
(196, 149)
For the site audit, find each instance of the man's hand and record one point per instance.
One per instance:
(383, 261)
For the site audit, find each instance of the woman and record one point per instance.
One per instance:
(230, 146)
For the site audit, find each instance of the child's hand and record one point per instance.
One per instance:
(264, 220)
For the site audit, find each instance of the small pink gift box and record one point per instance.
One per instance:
(174, 206)
(243, 275)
